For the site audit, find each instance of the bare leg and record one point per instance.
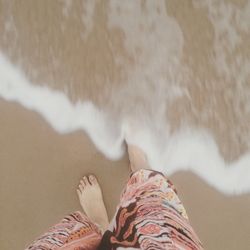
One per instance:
(138, 159)
(91, 200)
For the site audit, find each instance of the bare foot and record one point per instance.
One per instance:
(138, 159)
(91, 200)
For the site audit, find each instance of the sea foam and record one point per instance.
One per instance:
(187, 149)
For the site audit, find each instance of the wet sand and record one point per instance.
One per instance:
(98, 58)
(40, 171)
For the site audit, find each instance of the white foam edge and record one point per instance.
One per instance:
(196, 151)
(193, 150)
(56, 108)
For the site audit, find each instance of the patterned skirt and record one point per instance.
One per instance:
(149, 216)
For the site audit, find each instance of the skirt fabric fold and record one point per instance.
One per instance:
(150, 216)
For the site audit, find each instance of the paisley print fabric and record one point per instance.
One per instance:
(74, 232)
(150, 216)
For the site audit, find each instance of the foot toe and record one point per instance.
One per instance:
(82, 183)
(92, 179)
(78, 192)
(80, 187)
(85, 180)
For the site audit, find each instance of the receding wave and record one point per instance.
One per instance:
(186, 149)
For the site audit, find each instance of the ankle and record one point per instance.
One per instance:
(103, 224)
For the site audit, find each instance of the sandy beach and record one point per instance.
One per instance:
(154, 68)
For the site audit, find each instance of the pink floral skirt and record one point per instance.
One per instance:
(150, 216)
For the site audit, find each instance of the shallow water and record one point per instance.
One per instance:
(171, 76)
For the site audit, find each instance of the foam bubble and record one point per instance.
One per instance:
(193, 150)
(87, 17)
(231, 24)
(57, 109)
